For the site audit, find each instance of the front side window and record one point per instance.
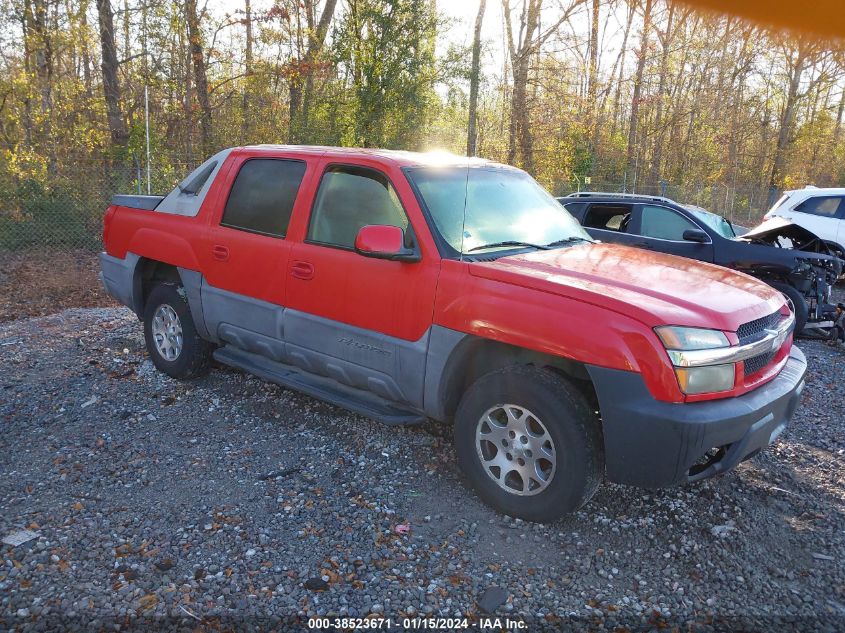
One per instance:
(262, 196)
(664, 224)
(824, 206)
(349, 198)
(476, 206)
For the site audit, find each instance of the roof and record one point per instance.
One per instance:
(619, 196)
(400, 158)
(810, 191)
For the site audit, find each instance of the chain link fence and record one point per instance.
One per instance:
(63, 209)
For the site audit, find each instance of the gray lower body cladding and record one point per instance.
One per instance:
(119, 279)
(656, 444)
(397, 370)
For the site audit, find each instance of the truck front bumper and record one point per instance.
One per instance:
(656, 444)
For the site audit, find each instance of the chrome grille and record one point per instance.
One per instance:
(747, 332)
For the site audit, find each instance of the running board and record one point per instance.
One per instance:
(357, 400)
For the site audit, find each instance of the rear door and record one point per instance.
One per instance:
(609, 222)
(820, 214)
(246, 254)
(662, 229)
(360, 320)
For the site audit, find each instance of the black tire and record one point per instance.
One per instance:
(568, 420)
(799, 304)
(194, 358)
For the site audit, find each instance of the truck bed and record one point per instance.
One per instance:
(136, 201)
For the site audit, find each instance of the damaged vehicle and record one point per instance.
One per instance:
(786, 256)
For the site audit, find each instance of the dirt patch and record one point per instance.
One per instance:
(46, 282)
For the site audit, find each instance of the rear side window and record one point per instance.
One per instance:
(349, 198)
(664, 224)
(197, 182)
(824, 206)
(262, 196)
(608, 217)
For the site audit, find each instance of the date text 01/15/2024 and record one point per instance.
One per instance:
(418, 623)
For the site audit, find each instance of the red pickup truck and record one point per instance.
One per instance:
(404, 286)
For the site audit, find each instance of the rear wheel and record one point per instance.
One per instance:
(172, 340)
(797, 303)
(528, 443)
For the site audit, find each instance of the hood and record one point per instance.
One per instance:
(776, 227)
(654, 288)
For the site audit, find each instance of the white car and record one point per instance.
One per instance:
(821, 211)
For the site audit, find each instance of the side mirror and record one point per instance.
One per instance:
(696, 235)
(382, 241)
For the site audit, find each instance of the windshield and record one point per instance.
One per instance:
(715, 222)
(502, 205)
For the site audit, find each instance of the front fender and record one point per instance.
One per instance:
(561, 326)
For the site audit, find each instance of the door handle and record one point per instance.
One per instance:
(220, 253)
(302, 270)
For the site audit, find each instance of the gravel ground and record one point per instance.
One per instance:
(229, 502)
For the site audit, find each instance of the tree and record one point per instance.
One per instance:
(635, 98)
(247, 70)
(528, 41)
(666, 38)
(200, 77)
(392, 87)
(111, 87)
(593, 74)
(301, 79)
(796, 63)
(474, 80)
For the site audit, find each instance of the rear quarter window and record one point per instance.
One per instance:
(262, 196)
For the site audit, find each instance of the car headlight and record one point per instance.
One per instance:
(691, 338)
(692, 380)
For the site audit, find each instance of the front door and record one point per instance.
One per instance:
(360, 320)
(662, 229)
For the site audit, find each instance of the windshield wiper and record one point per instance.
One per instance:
(568, 240)
(508, 243)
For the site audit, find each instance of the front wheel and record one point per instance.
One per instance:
(172, 340)
(528, 443)
(797, 303)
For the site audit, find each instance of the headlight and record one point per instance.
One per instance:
(691, 338)
(710, 378)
